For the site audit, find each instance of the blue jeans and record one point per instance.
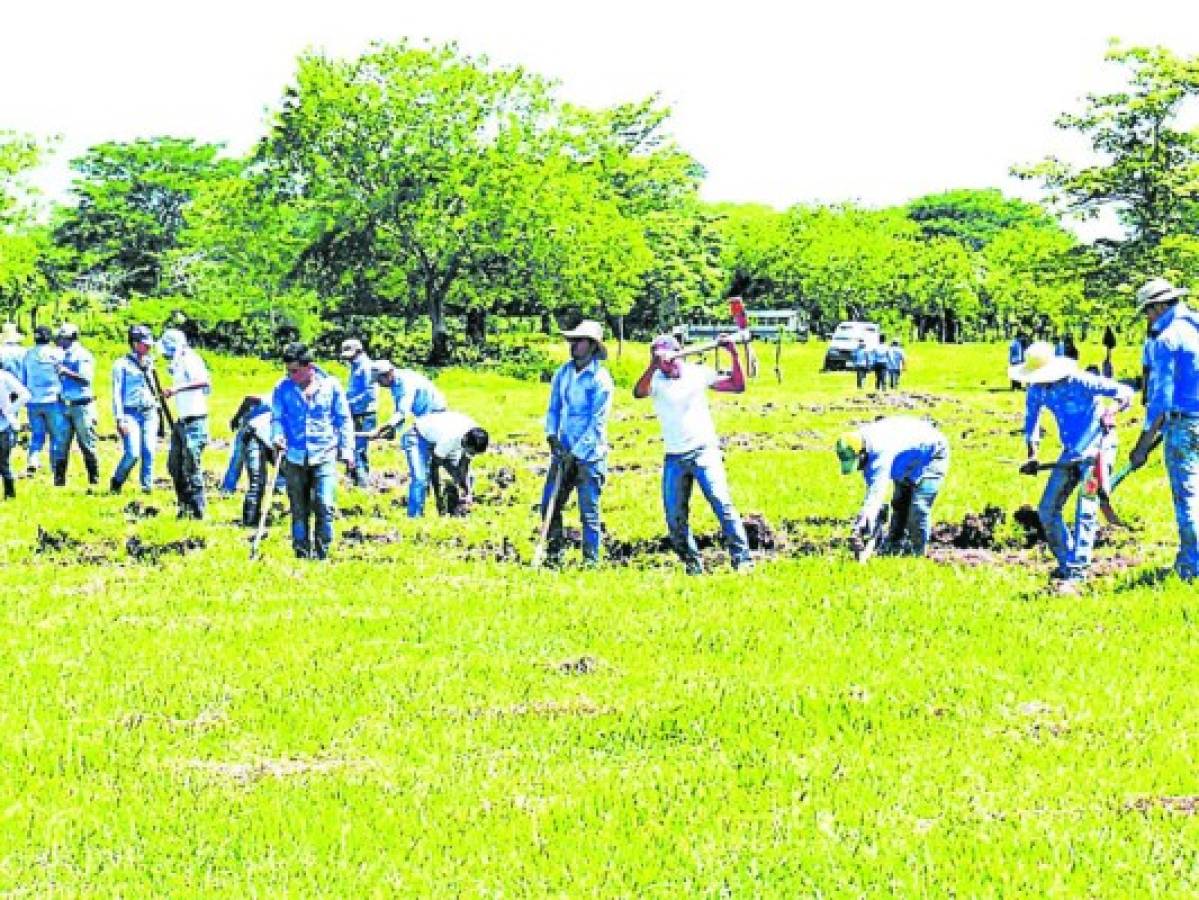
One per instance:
(139, 443)
(237, 461)
(912, 507)
(363, 422)
(312, 491)
(47, 420)
(680, 472)
(1181, 445)
(588, 478)
(419, 454)
(188, 440)
(1072, 547)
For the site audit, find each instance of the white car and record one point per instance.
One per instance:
(846, 339)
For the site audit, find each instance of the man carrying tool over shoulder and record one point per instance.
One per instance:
(576, 429)
(311, 424)
(78, 374)
(914, 455)
(1088, 435)
(190, 386)
(1173, 408)
(448, 441)
(413, 395)
(679, 391)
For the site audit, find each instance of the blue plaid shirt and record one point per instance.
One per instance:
(579, 406)
(1074, 402)
(318, 427)
(1174, 364)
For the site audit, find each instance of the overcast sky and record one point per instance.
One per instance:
(784, 102)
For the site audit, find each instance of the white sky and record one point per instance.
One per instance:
(876, 101)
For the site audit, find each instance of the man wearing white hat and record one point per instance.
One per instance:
(576, 428)
(190, 386)
(1172, 407)
(1088, 436)
(11, 351)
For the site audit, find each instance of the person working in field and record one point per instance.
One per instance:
(896, 363)
(447, 442)
(190, 387)
(13, 395)
(679, 391)
(1173, 408)
(363, 397)
(47, 422)
(576, 429)
(879, 357)
(78, 375)
(913, 455)
(135, 410)
(859, 359)
(413, 395)
(311, 425)
(1088, 436)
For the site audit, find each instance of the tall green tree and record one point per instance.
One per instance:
(131, 205)
(1147, 166)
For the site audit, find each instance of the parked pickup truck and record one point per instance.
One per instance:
(846, 337)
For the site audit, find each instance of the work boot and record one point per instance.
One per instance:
(93, 470)
(60, 473)
(10, 488)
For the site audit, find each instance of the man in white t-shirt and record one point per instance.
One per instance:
(448, 440)
(190, 386)
(679, 391)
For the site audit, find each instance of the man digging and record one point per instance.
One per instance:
(679, 391)
(1088, 436)
(913, 455)
(447, 442)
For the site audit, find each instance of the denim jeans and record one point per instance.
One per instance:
(588, 478)
(139, 443)
(257, 463)
(81, 427)
(912, 507)
(893, 378)
(860, 374)
(47, 420)
(680, 472)
(419, 454)
(1181, 445)
(1072, 547)
(880, 377)
(312, 491)
(363, 422)
(188, 440)
(8, 440)
(237, 461)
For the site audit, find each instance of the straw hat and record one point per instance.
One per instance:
(1158, 290)
(1041, 366)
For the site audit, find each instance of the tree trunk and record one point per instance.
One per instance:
(439, 349)
(476, 327)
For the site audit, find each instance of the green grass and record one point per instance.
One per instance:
(400, 721)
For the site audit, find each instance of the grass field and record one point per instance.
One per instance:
(426, 715)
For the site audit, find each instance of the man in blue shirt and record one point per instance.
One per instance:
(39, 373)
(576, 429)
(1173, 408)
(913, 455)
(896, 363)
(1088, 436)
(859, 358)
(413, 395)
(878, 363)
(363, 398)
(78, 375)
(311, 425)
(135, 410)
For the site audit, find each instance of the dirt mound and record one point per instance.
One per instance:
(761, 535)
(135, 510)
(355, 535)
(50, 542)
(976, 531)
(141, 551)
(1028, 519)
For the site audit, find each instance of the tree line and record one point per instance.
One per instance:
(419, 187)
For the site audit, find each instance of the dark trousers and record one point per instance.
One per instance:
(188, 440)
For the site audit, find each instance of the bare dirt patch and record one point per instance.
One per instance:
(145, 552)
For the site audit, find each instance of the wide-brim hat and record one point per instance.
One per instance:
(1042, 366)
(1158, 290)
(9, 334)
(591, 330)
